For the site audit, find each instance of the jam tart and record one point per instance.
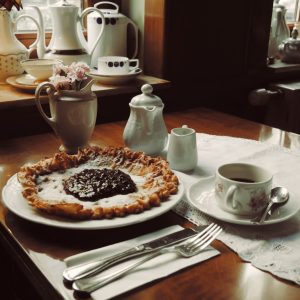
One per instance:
(97, 183)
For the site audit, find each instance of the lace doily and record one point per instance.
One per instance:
(273, 248)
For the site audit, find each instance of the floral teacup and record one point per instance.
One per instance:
(243, 189)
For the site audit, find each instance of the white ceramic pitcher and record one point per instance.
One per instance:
(115, 38)
(145, 129)
(13, 51)
(182, 151)
(73, 114)
(67, 42)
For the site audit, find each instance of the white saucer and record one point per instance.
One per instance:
(15, 202)
(27, 79)
(201, 195)
(23, 81)
(114, 79)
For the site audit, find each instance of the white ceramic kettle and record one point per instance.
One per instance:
(12, 51)
(67, 42)
(114, 39)
(145, 129)
(279, 29)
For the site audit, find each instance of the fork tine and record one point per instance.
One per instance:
(203, 243)
(201, 233)
(201, 236)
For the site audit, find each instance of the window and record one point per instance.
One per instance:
(26, 25)
(292, 9)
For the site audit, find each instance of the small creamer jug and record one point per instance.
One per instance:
(145, 129)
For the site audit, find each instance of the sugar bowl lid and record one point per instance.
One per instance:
(146, 98)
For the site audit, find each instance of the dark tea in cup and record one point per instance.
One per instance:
(242, 189)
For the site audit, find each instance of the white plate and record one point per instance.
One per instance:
(201, 195)
(114, 79)
(15, 202)
(24, 81)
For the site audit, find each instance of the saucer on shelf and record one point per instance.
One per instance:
(24, 81)
(27, 79)
(114, 79)
(202, 196)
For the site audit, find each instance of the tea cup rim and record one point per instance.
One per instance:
(52, 61)
(112, 57)
(266, 171)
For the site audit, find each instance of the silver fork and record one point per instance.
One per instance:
(189, 248)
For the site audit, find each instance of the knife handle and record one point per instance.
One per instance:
(88, 285)
(90, 268)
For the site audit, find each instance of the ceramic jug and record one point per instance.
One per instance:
(289, 49)
(13, 51)
(279, 29)
(73, 114)
(115, 38)
(67, 42)
(145, 129)
(182, 149)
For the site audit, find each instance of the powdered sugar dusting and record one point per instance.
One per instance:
(50, 187)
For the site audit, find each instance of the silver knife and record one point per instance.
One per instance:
(91, 268)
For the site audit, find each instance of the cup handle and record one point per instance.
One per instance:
(50, 91)
(229, 197)
(134, 61)
(136, 33)
(33, 46)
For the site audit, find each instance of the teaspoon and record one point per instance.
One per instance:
(279, 195)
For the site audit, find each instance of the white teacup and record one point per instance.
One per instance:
(40, 69)
(182, 151)
(116, 65)
(242, 189)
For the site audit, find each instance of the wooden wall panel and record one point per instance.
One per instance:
(154, 38)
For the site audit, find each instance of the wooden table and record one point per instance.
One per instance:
(223, 277)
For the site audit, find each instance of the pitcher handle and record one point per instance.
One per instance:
(50, 91)
(115, 11)
(136, 33)
(83, 14)
(33, 46)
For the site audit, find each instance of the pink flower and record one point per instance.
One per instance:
(61, 82)
(76, 71)
(69, 77)
(76, 74)
(83, 66)
(59, 69)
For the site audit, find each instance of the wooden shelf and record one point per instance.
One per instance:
(280, 67)
(11, 97)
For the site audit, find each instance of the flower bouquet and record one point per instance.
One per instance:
(72, 77)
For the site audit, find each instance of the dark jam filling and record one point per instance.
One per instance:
(94, 184)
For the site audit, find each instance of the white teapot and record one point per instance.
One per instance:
(145, 129)
(115, 38)
(67, 42)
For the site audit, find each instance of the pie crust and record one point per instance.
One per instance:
(43, 188)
